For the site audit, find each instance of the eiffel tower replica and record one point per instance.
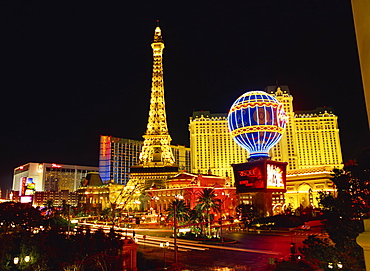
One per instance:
(156, 161)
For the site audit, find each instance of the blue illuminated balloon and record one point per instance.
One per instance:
(257, 121)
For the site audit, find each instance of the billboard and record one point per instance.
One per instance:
(260, 176)
(26, 199)
(27, 186)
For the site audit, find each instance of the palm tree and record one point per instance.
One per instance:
(49, 208)
(65, 209)
(197, 219)
(207, 202)
(182, 211)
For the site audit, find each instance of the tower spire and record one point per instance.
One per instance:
(156, 151)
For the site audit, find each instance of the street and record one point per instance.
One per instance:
(252, 251)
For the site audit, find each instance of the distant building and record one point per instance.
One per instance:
(33, 177)
(117, 155)
(42, 197)
(94, 196)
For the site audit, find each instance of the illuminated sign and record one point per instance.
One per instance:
(274, 177)
(22, 185)
(262, 175)
(256, 122)
(26, 199)
(30, 187)
(185, 230)
(27, 186)
(56, 166)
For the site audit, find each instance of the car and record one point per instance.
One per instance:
(304, 227)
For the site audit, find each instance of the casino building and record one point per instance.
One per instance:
(311, 139)
(310, 145)
(49, 177)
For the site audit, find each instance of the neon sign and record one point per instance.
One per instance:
(56, 166)
(274, 177)
(262, 175)
(256, 122)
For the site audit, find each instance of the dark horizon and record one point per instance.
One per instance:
(74, 71)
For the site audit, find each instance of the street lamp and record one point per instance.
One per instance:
(179, 197)
(224, 198)
(27, 259)
(16, 260)
(164, 246)
(332, 265)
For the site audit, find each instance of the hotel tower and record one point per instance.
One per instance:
(311, 139)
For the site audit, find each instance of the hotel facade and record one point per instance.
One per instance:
(32, 177)
(311, 140)
(310, 145)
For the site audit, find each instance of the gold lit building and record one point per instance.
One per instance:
(211, 146)
(311, 140)
(310, 145)
(303, 185)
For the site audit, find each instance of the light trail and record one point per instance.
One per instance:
(183, 245)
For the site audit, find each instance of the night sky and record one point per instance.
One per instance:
(74, 70)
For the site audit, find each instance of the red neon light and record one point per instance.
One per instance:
(55, 165)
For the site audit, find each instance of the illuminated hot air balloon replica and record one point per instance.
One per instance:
(257, 121)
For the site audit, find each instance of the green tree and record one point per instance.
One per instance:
(246, 213)
(207, 202)
(19, 214)
(344, 212)
(50, 211)
(182, 211)
(66, 209)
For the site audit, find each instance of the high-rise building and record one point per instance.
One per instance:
(311, 139)
(117, 155)
(286, 149)
(317, 135)
(156, 161)
(33, 177)
(211, 146)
